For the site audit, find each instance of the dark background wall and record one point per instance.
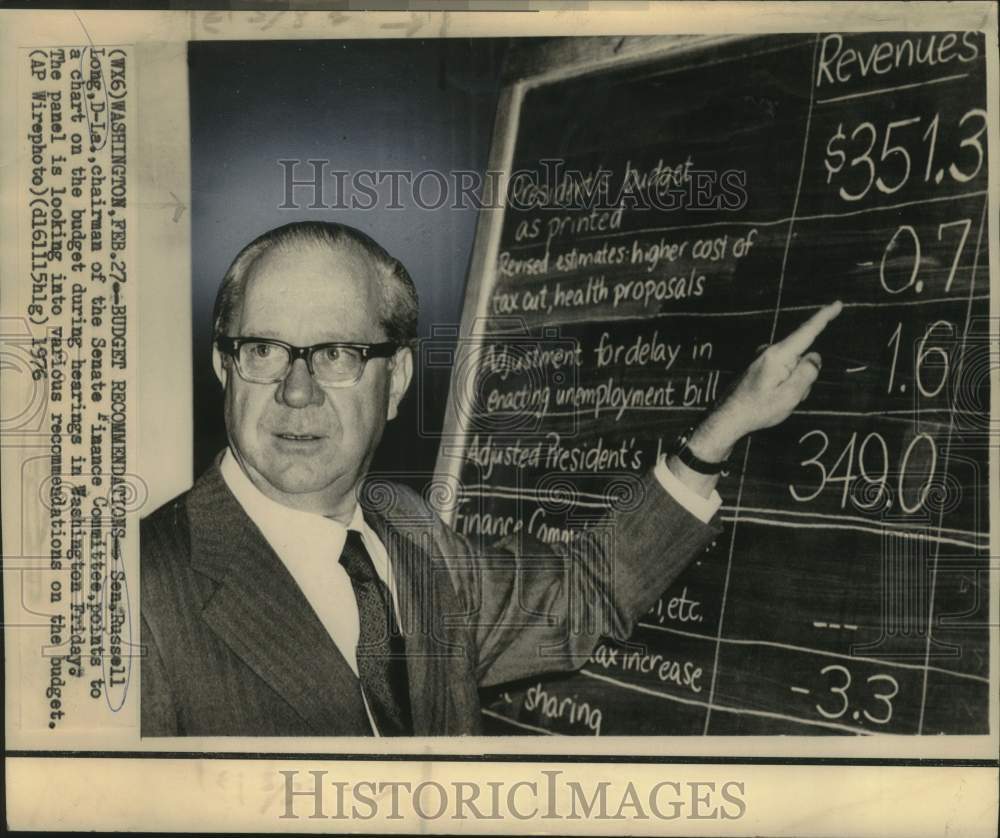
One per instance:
(386, 104)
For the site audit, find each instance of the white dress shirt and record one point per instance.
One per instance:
(309, 545)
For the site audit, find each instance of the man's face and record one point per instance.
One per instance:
(304, 445)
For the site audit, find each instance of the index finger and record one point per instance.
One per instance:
(802, 338)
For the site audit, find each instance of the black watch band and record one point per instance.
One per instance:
(684, 453)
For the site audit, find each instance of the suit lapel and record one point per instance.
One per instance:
(260, 613)
(435, 668)
(403, 573)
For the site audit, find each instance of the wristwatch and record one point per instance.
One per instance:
(684, 453)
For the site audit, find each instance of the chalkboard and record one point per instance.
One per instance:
(848, 593)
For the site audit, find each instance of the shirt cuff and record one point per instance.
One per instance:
(702, 508)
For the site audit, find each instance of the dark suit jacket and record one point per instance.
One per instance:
(234, 648)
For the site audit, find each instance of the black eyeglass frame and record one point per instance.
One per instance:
(231, 346)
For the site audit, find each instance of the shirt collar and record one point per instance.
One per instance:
(302, 539)
(268, 513)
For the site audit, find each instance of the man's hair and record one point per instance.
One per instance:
(398, 306)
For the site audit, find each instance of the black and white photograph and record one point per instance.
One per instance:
(717, 321)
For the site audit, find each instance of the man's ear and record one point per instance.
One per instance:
(221, 372)
(401, 374)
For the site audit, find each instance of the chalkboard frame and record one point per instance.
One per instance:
(533, 64)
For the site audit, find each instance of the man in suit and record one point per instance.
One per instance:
(284, 596)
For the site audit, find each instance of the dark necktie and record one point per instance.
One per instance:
(381, 649)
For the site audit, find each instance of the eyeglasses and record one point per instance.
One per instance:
(267, 361)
